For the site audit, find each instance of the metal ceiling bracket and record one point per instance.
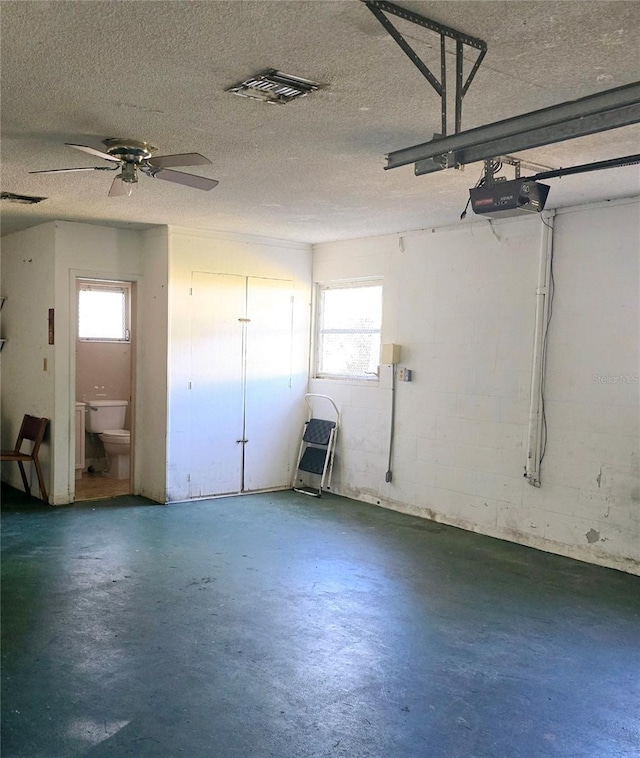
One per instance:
(606, 110)
(380, 7)
(519, 164)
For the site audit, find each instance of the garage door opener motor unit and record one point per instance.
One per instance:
(502, 199)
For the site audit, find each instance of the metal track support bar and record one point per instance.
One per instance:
(459, 87)
(610, 109)
(406, 48)
(579, 127)
(434, 26)
(443, 90)
(380, 7)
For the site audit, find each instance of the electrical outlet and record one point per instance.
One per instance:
(404, 374)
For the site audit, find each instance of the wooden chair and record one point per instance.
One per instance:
(32, 429)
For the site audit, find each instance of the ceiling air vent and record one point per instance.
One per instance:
(22, 199)
(273, 86)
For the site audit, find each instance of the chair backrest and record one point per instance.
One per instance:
(32, 429)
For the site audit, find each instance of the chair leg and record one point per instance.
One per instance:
(27, 489)
(43, 489)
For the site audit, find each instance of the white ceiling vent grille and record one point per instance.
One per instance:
(273, 86)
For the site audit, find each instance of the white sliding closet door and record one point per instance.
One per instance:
(268, 400)
(243, 416)
(217, 383)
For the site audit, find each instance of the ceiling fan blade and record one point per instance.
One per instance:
(93, 151)
(189, 180)
(180, 159)
(120, 187)
(63, 170)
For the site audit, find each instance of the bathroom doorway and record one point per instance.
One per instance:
(103, 414)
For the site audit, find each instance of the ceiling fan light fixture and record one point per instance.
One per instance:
(129, 173)
(273, 86)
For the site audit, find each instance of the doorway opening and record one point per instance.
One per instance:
(103, 414)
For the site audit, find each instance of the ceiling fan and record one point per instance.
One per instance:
(131, 156)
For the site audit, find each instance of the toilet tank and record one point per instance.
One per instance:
(105, 414)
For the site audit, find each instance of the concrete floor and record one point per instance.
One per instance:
(281, 625)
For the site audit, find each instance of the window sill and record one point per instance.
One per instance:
(348, 379)
(101, 341)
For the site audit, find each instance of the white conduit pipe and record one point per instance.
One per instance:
(536, 422)
(388, 477)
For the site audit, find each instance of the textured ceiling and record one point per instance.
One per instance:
(311, 170)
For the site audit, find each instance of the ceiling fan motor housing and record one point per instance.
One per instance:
(129, 151)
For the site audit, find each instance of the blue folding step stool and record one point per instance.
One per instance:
(316, 450)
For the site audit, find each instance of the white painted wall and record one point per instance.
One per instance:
(590, 500)
(151, 367)
(103, 370)
(45, 263)
(27, 387)
(189, 251)
(40, 266)
(461, 302)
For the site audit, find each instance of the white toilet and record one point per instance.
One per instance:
(106, 418)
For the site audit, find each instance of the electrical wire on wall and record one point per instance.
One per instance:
(388, 477)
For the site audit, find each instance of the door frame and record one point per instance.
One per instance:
(107, 276)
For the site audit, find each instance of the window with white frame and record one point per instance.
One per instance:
(349, 321)
(103, 311)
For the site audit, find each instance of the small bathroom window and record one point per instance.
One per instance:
(103, 311)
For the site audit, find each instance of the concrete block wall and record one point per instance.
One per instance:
(461, 302)
(592, 470)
